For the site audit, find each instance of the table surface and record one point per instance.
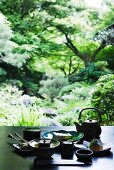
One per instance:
(11, 160)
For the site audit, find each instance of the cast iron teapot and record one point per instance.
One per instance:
(90, 128)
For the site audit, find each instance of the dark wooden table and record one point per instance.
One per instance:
(11, 160)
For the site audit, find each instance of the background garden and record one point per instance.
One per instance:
(56, 58)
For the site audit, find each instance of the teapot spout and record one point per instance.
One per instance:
(78, 127)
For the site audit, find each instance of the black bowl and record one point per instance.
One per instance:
(31, 133)
(84, 154)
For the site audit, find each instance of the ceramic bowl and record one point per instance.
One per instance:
(84, 154)
(44, 152)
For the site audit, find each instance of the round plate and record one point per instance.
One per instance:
(35, 143)
(63, 135)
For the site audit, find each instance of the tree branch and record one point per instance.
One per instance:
(70, 65)
(69, 43)
(74, 49)
(102, 46)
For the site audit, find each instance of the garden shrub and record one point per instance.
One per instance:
(91, 73)
(67, 89)
(68, 119)
(22, 110)
(103, 97)
(78, 91)
(3, 74)
(83, 92)
(52, 86)
(14, 110)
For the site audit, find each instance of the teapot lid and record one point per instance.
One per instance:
(91, 121)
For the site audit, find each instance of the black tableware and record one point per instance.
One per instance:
(42, 149)
(84, 154)
(66, 150)
(31, 133)
(90, 128)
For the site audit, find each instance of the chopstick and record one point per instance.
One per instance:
(10, 135)
(21, 137)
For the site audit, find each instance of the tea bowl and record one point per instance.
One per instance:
(84, 154)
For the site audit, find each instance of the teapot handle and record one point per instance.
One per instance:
(99, 113)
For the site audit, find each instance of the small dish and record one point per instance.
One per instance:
(101, 149)
(98, 147)
(18, 147)
(84, 154)
(63, 135)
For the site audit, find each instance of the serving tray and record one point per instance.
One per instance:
(56, 160)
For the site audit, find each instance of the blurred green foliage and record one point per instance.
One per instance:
(52, 86)
(103, 97)
(92, 72)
